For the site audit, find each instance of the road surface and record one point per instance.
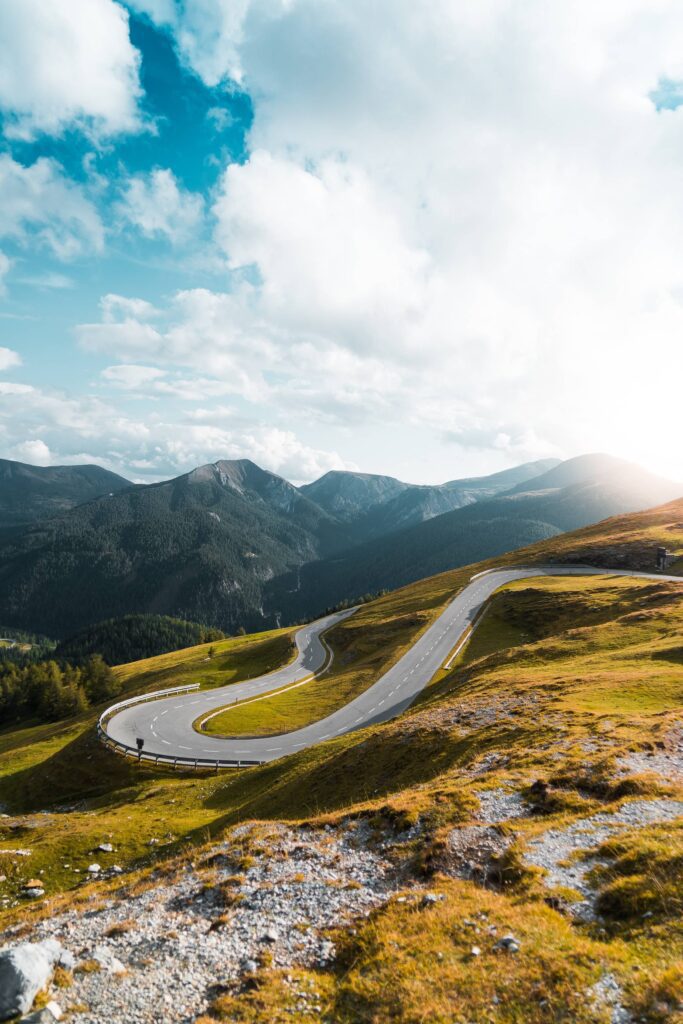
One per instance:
(166, 725)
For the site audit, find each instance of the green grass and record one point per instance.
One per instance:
(642, 876)
(493, 633)
(233, 661)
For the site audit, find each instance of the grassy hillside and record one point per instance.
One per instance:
(577, 683)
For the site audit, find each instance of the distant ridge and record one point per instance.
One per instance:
(573, 494)
(378, 505)
(29, 493)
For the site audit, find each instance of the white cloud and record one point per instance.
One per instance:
(66, 64)
(162, 444)
(35, 452)
(116, 307)
(157, 206)
(39, 202)
(9, 358)
(49, 279)
(208, 33)
(131, 377)
(331, 254)
(201, 329)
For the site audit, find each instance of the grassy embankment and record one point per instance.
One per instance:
(563, 677)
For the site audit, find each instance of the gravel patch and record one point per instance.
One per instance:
(556, 846)
(668, 764)
(497, 805)
(472, 851)
(163, 965)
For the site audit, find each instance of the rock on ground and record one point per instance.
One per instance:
(24, 971)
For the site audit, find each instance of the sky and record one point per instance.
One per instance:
(427, 238)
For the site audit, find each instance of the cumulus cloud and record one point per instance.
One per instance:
(156, 205)
(35, 452)
(208, 33)
(121, 307)
(40, 203)
(200, 329)
(9, 358)
(330, 252)
(66, 64)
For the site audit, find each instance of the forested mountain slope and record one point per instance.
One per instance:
(29, 493)
(199, 547)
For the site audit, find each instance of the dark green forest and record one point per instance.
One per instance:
(134, 637)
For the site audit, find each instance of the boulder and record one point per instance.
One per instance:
(25, 970)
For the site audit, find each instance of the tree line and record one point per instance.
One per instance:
(49, 692)
(134, 637)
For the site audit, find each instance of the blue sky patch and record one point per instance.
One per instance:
(668, 95)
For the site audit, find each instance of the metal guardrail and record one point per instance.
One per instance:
(125, 750)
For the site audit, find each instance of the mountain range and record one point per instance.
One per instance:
(230, 544)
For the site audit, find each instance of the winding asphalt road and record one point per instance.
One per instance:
(166, 724)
